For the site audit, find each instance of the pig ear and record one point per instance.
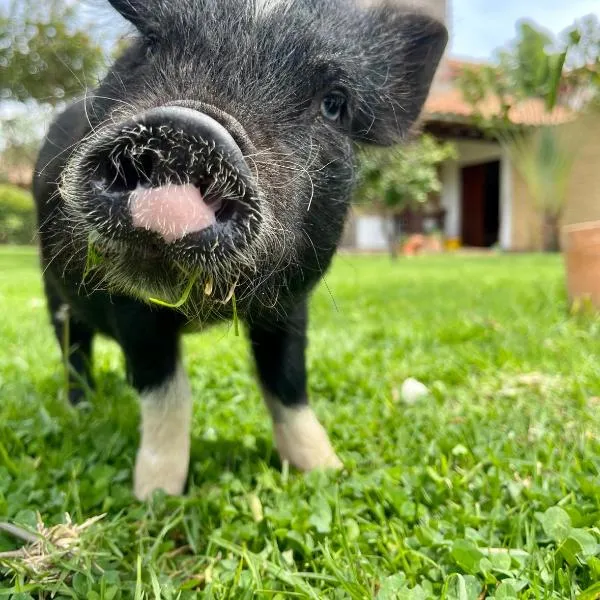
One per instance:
(403, 50)
(135, 11)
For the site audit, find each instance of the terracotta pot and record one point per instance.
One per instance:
(582, 257)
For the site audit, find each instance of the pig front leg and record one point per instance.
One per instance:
(279, 348)
(155, 370)
(164, 454)
(75, 339)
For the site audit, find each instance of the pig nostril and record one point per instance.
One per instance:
(126, 173)
(160, 157)
(224, 207)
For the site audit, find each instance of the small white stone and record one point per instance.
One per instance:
(413, 390)
(256, 507)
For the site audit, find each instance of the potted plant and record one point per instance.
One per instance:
(582, 240)
(582, 261)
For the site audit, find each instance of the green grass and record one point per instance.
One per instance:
(488, 488)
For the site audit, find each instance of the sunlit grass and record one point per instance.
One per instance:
(489, 487)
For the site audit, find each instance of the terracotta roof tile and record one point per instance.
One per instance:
(450, 104)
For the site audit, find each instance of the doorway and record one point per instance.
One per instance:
(481, 205)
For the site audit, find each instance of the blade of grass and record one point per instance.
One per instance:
(182, 300)
(93, 259)
(289, 578)
(139, 593)
(155, 584)
(236, 324)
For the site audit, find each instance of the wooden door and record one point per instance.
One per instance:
(473, 205)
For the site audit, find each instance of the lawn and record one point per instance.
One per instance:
(488, 487)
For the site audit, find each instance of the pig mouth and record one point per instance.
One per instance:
(163, 193)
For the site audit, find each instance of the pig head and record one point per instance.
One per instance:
(221, 142)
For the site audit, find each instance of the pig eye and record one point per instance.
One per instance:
(333, 106)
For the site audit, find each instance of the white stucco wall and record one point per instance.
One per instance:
(451, 197)
(506, 199)
(473, 152)
(370, 233)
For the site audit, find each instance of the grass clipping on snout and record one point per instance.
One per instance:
(208, 288)
(184, 296)
(95, 258)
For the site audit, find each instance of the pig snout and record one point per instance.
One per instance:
(173, 174)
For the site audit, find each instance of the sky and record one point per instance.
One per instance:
(478, 27)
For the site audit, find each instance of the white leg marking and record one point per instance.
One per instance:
(164, 454)
(301, 439)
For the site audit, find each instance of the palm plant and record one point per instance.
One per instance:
(544, 160)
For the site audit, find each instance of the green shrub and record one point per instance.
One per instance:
(18, 224)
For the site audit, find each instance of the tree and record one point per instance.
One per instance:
(583, 58)
(533, 67)
(20, 136)
(396, 179)
(527, 68)
(45, 55)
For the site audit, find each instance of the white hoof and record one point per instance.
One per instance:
(302, 441)
(165, 471)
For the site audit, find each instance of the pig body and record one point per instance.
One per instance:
(214, 166)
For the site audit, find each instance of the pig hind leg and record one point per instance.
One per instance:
(279, 351)
(75, 339)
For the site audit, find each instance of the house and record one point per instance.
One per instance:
(487, 202)
(484, 200)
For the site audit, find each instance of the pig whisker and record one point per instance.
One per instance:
(59, 154)
(322, 272)
(74, 146)
(93, 96)
(118, 77)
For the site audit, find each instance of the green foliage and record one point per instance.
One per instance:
(396, 178)
(534, 69)
(544, 158)
(487, 488)
(20, 140)
(17, 216)
(583, 59)
(45, 55)
(532, 66)
(478, 82)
